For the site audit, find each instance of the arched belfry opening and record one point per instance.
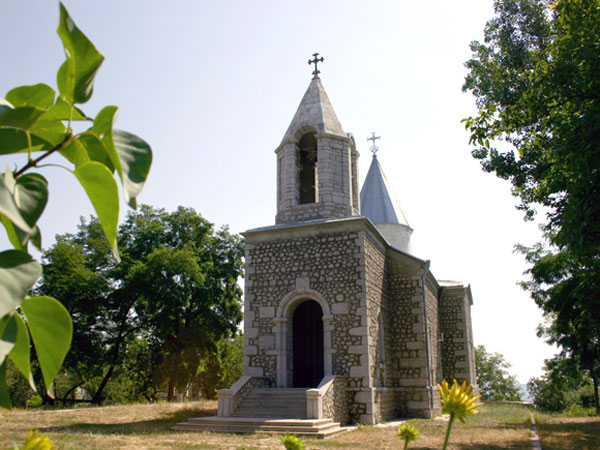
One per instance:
(307, 168)
(307, 348)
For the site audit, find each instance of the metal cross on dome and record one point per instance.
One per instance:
(315, 61)
(373, 138)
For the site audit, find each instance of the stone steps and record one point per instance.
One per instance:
(273, 403)
(319, 428)
(268, 410)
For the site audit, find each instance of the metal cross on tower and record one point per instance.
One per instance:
(315, 61)
(373, 138)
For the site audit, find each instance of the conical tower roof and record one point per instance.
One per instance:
(378, 203)
(315, 110)
(377, 200)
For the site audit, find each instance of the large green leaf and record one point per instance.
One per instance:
(95, 149)
(51, 131)
(20, 353)
(103, 192)
(15, 235)
(14, 140)
(39, 96)
(9, 207)
(62, 111)
(8, 335)
(75, 152)
(18, 273)
(31, 196)
(30, 193)
(23, 117)
(136, 157)
(51, 330)
(75, 78)
(103, 129)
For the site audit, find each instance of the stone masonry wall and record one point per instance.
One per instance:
(404, 337)
(433, 327)
(471, 369)
(334, 182)
(376, 292)
(455, 345)
(392, 403)
(335, 401)
(331, 264)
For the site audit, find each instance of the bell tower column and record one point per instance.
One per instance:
(316, 162)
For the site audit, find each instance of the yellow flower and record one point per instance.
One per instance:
(408, 433)
(458, 401)
(35, 442)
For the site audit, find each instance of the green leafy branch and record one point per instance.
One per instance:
(35, 119)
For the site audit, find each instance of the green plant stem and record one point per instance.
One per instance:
(405, 444)
(448, 432)
(33, 163)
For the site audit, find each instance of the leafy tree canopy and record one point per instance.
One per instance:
(495, 383)
(536, 79)
(537, 84)
(175, 288)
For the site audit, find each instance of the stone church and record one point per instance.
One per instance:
(341, 321)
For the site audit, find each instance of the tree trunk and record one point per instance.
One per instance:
(98, 395)
(596, 402)
(171, 393)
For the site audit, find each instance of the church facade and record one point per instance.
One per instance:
(338, 311)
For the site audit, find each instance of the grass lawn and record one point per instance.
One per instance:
(148, 427)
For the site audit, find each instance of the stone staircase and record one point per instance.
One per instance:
(268, 411)
(282, 403)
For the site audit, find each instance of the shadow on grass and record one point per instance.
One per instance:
(575, 434)
(161, 425)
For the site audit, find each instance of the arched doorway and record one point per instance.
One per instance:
(307, 167)
(307, 336)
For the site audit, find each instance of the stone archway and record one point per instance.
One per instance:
(307, 345)
(283, 327)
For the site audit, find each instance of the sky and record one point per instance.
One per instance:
(213, 86)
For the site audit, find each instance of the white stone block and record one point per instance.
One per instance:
(266, 341)
(359, 371)
(251, 350)
(357, 349)
(418, 328)
(363, 397)
(267, 312)
(250, 332)
(302, 283)
(254, 371)
(339, 308)
(358, 331)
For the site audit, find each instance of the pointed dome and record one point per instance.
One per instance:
(378, 203)
(315, 110)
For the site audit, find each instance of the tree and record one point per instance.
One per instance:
(562, 386)
(79, 270)
(495, 383)
(536, 79)
(37, 122)
(175, 289)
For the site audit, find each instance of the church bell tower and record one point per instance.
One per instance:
(316, 162)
